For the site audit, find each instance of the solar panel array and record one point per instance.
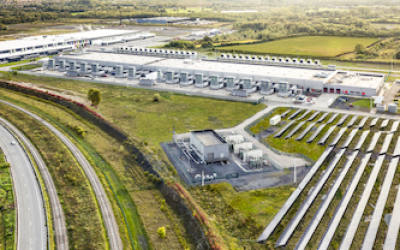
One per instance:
(326, 135)
(285, 236)
(338, 151)
(325, 204)
(291, 133)
(358, 213)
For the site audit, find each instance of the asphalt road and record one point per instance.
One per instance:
(59, 227)
(102, 199)
(31, 228)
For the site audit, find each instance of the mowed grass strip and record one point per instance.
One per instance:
(319, 46)
(84, 223)
(8, 207)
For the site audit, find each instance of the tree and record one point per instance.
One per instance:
(94, 96)
(206, 44)
(156, 97)
(398, 55)
(207, 39)
(359, 49)
(162, 232)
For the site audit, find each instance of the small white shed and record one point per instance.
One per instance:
(275, 120)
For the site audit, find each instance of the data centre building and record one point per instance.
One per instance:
(318, 80)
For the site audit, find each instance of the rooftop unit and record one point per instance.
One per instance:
(201, 81)
(172, 77)
(132, 73)
(266, 87)
(232, 83)
(185, 79)
(62, 66)
(216, 82)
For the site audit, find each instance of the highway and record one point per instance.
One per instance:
(60, 229)
(31, 224)
(102, 199)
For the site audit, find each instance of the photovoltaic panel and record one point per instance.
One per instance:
(293, 197)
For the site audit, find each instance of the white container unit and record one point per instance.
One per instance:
(185, 79)
(172, 77)
(132, 74)
(232, 83)
(119, 72)
(83, 66)
(266, 87)
(257, 154)
(245, 145)
(234, 139)
(72, 66)
(216, 82)
(275, 120)
(201, 81)
(249, 86)
(51, 64)
(61, 66)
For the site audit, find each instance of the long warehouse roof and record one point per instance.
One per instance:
(40, 40)
(226, 68)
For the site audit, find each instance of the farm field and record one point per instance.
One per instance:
(319, 46)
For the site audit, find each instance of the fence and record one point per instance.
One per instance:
(192, 226)
(183, 170)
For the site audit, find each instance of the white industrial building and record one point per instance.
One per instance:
(286, 79)
(209, 146)
(36, 46)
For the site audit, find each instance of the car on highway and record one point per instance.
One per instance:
(13, 142)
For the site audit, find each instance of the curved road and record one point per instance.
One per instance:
(102, 199)
(31, 228)
(60, 229)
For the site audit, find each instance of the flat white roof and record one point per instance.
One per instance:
(115, 58)
(96, 34)
(17, 44)
(356, 79)
(207, 138)
(235, 68)
(213, 66)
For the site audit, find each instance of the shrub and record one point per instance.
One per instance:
(156, 97)
(162, 232)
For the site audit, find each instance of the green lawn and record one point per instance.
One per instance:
(26, 67)
(320, 46)
(241, 215)
(366, 103)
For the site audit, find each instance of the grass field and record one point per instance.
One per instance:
(365, 103)
(116, 169)
(26, 67)
(241, 215)
(85, 227)
(319, 46)
(7, 212)
(137, 114)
